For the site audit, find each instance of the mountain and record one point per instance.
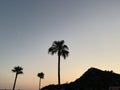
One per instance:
(92, 79)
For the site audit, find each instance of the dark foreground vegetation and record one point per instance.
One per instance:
(92, 79)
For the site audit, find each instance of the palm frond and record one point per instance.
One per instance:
(65, 54)
(65, 47)
(52, 50)
(62, 42)
(13, 70)
(20, 72)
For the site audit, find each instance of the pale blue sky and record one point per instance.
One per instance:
(91, 29)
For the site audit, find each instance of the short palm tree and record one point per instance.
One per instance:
(41, 76)
(17, 70)
(59, 48)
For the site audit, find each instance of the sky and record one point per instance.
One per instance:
(90, 28)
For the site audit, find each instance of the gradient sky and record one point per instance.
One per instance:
(90, 28)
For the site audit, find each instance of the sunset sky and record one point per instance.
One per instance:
(90, 28)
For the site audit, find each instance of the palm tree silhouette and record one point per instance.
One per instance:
(17, 70)
(41, 76)
(60, 49)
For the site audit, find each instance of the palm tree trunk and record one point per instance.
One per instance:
(58, 72)
(39, 83)
(15, 81)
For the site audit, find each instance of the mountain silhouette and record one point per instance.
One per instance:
(92, 79)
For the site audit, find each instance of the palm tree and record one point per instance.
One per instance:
(41, 76)
(17, 70)
(60, 49)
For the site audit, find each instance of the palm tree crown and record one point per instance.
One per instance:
(59, 48)
(18, 70)
(40, 75)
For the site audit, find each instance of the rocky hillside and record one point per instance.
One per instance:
(92, 79)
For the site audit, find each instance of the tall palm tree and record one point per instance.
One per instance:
(17, 70)
(59, 48)
(41, 76)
